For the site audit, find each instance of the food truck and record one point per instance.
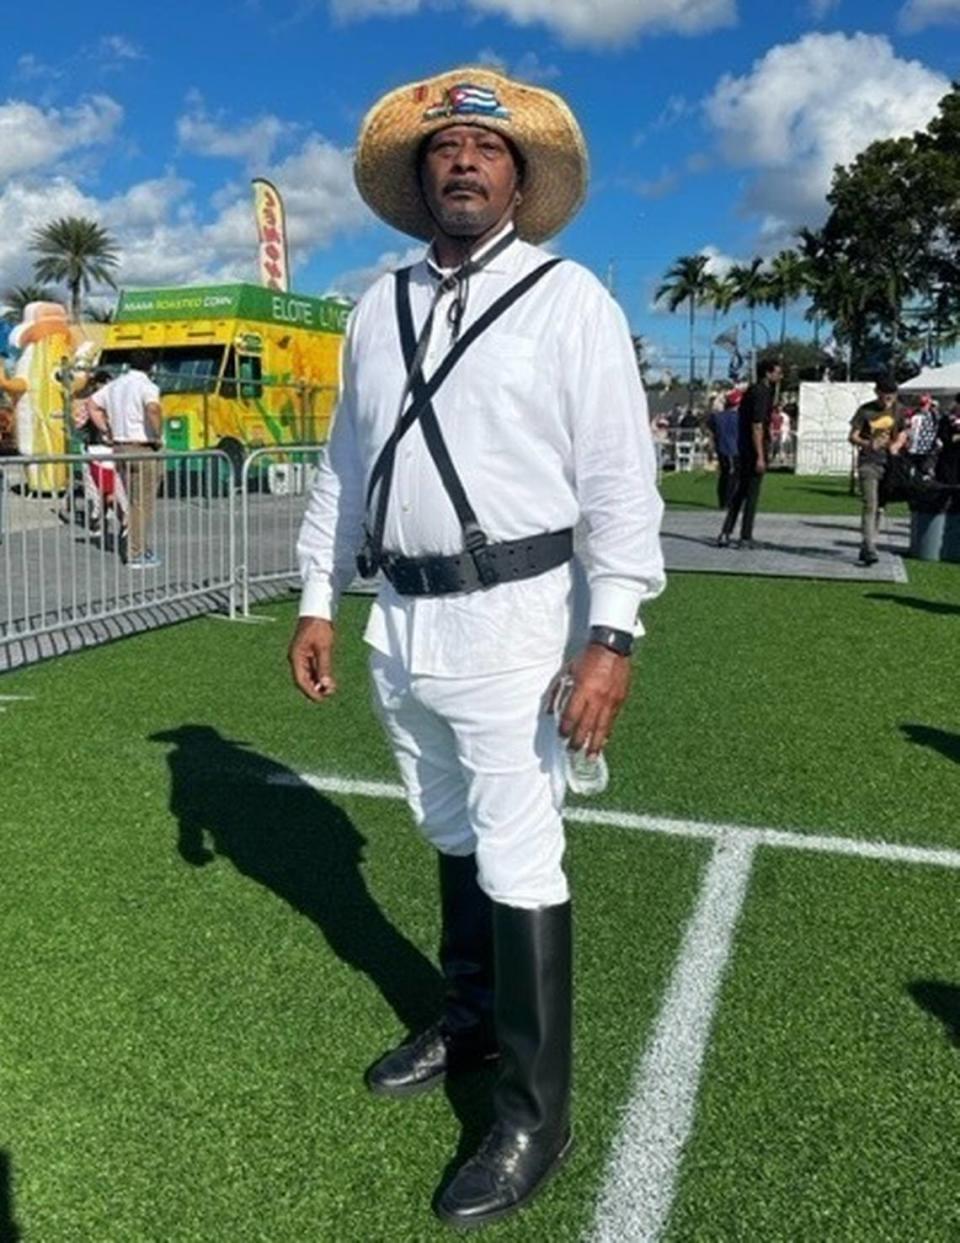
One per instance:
(238, 366)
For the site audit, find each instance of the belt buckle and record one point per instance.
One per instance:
(366, 564)
(475, 542)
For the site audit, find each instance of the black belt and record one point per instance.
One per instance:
(481, 567)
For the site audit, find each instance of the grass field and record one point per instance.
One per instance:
(200, 960)
(782, 493)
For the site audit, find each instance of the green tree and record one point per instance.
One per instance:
(786, 282)
(17, 297)
(685, 282)
(77, 252)
(99, 314)
(720, 294)
(751, 282)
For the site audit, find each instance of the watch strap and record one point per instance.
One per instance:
(619, 641)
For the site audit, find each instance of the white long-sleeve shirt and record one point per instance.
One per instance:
(546, 422)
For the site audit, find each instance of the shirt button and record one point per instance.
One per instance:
(405, 508)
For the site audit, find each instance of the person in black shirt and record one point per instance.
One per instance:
(756, 408)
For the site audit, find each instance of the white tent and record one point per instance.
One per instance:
(934, 380)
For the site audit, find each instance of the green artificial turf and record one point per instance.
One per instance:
(782, 493)
(828, 1108)
(199, 964)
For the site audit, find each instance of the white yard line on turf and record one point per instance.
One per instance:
(641, 1175)
(890, 852)
(9, 699)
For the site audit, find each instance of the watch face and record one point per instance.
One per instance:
(619, 641)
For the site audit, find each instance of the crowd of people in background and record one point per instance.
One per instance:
(902, 451)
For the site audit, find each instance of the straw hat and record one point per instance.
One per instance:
(538, 122)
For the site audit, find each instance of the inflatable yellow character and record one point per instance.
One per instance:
(44, 341)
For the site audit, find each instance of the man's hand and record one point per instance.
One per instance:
(601, 680)
(311, 658)
(760, 466)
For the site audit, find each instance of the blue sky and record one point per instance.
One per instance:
(712, 124)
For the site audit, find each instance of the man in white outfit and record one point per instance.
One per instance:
(491, 403)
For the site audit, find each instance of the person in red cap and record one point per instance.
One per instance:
(724, 427)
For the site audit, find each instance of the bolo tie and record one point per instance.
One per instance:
(458, 281)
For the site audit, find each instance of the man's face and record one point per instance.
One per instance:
(469, 179)
(886, 399)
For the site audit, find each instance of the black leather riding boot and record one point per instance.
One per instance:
(464, 1037)
(532, 1134)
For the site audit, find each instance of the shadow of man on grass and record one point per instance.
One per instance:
(936, 739)
(940, 608)
(234, 803)
(9, 1230)
(942, 1001)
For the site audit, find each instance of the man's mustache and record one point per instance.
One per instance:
(463, 183)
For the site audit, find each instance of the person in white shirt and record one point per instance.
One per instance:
(129, 406)
(491, 403)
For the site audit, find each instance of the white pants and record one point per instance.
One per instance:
(482, 764)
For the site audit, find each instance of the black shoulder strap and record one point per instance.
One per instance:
(408, 336)
(425, 392)
(421, 407)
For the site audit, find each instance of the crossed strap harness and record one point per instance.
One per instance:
(482, 564)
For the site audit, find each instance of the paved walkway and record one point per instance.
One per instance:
(791, 546)
(64, 580)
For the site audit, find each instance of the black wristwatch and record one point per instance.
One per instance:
(619, 641)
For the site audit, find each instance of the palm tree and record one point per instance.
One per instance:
(841, 296)
(76, 251)
(753, 288)
(720, 294)
(685, 283)
(786, 282)
(17, 297)
(99, 314)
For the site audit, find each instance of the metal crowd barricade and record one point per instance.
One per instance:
(274, 486)
(65, 538)
(823, 455)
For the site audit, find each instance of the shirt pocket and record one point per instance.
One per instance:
(503, 387)
(504, 372)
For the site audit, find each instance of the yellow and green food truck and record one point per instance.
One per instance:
(239, 366)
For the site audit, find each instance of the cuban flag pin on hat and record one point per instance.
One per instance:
(466, 99)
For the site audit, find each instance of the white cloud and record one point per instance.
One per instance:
(350, 10)
(119, 47)
(31, 137)
(529, 67)
(30, 68)
(806, 107)
(676, 109)
(615, 21)
(253, 142)
(163, 235)
(353, 283)
(578, 21)
(657, 187)
(917, 14)
(718, 263)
